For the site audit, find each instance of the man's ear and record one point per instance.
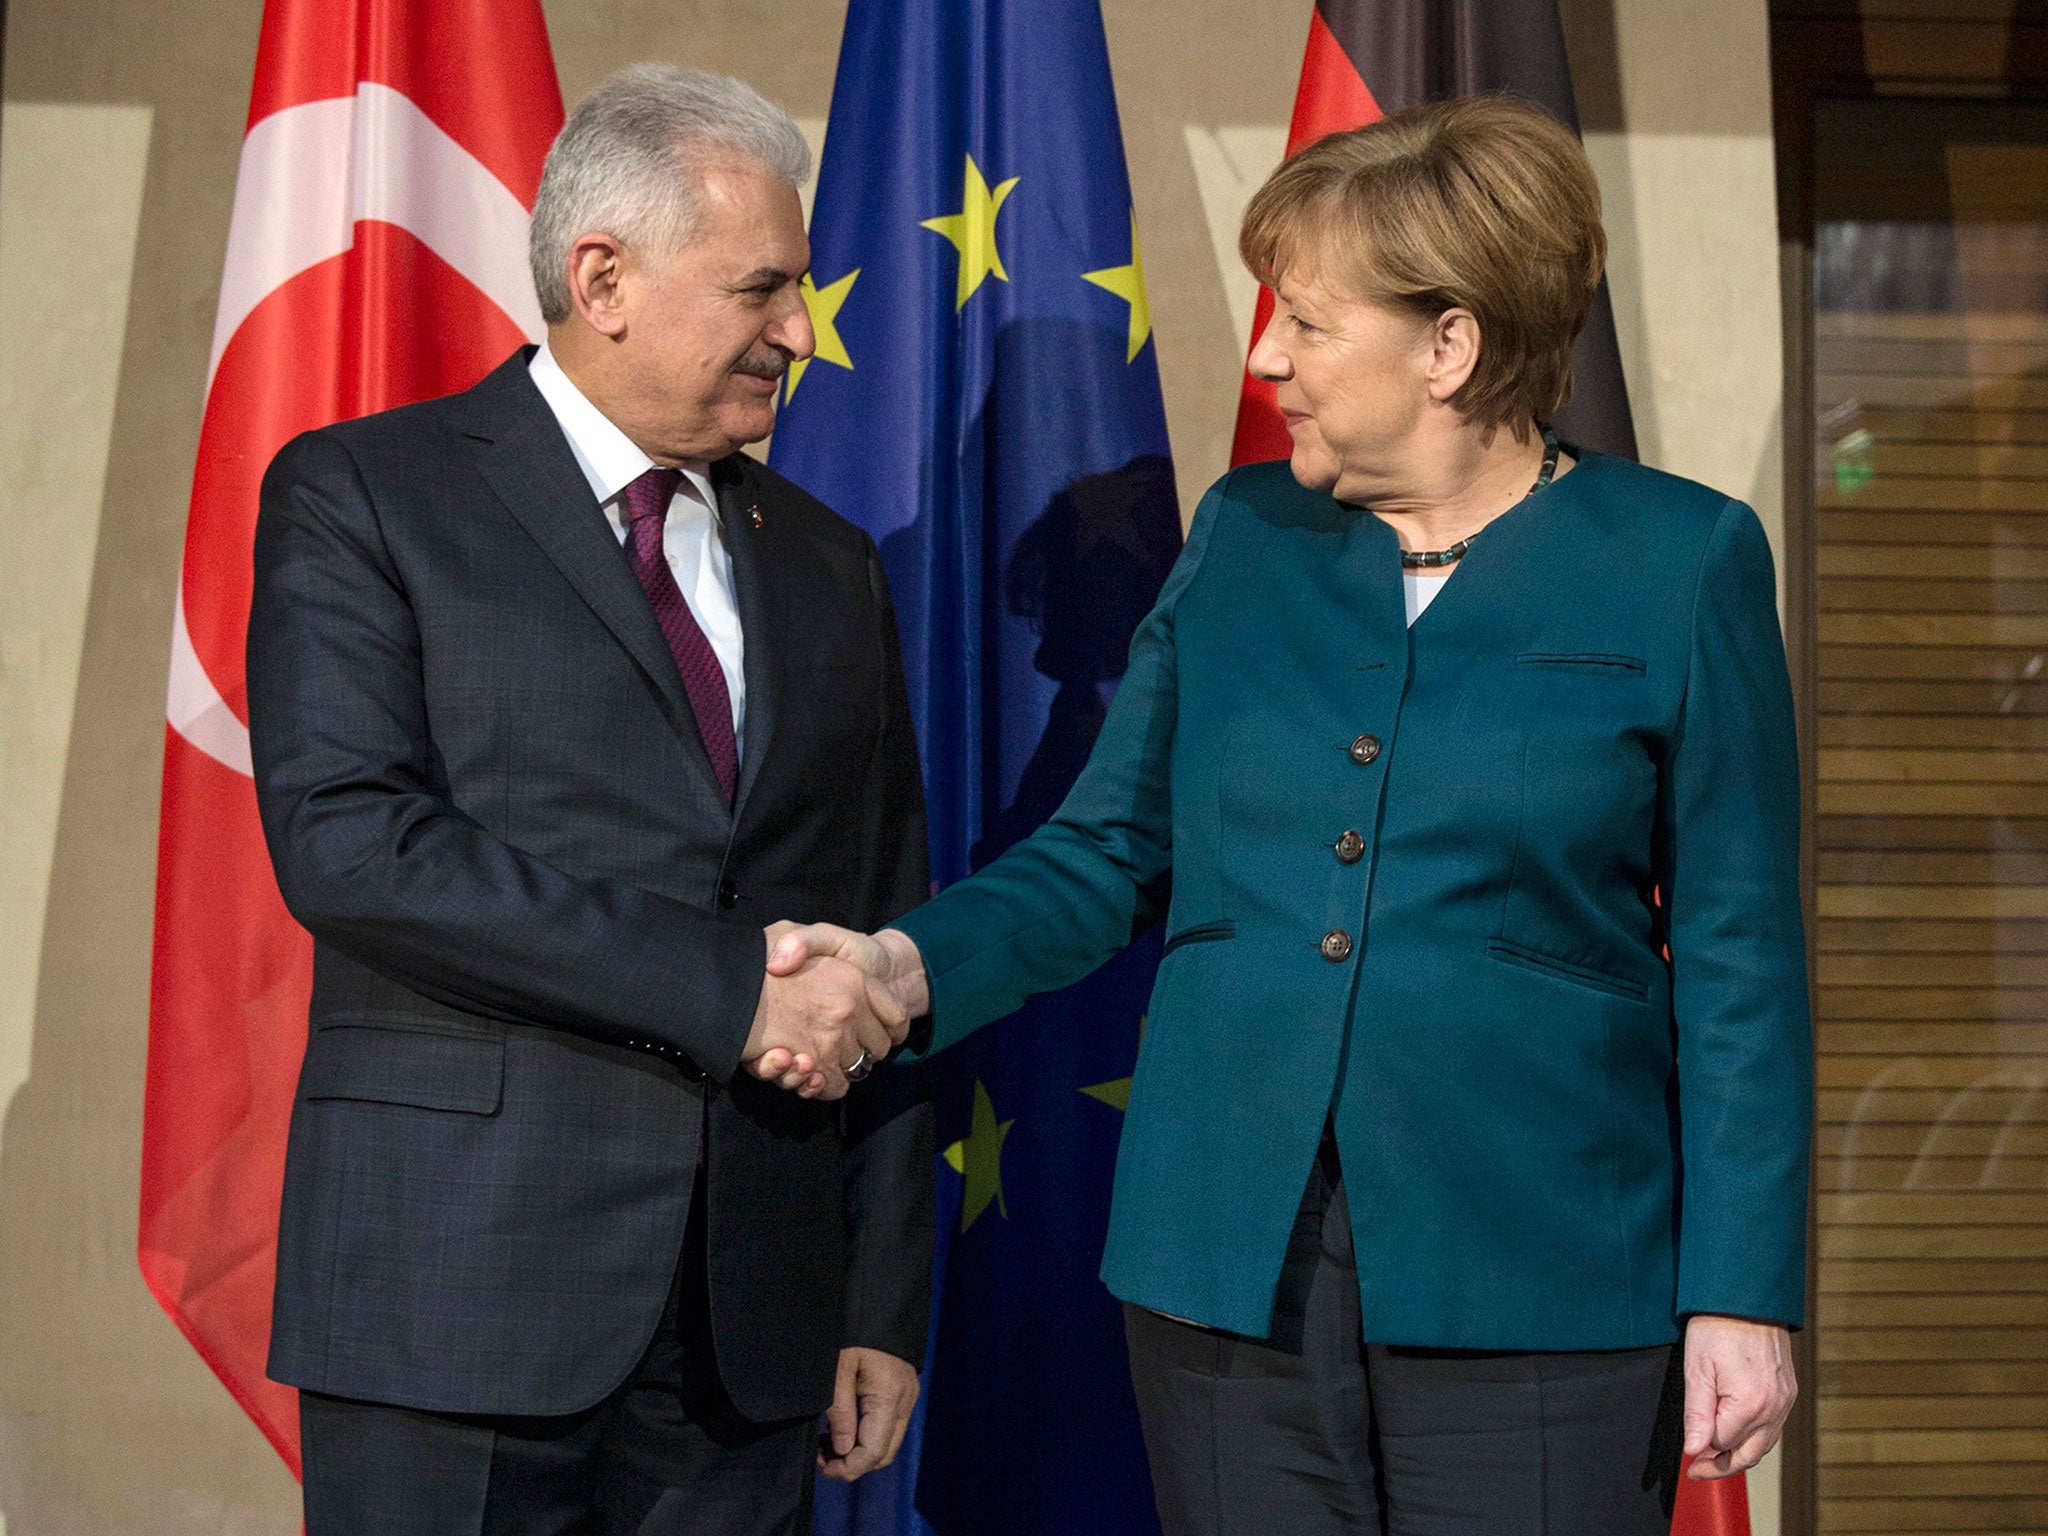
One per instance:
(1454, 352)
(596, 281)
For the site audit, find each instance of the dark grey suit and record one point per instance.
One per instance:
(538, 926)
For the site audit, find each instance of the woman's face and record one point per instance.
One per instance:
(1353, 381)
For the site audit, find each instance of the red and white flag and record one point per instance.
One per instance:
(377, 256)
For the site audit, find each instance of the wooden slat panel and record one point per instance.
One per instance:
(2016, 530)
(1934, 1344)
(1928, 900)
(1933, 800)
(1854, 935)
(1976, 325)
(1919, 1039)
(1833, 389)
(2023, 460)
(1902, 832)
(1951, 1378)
(2004, 698)
(1934, 1517)
(1933, 1210)
(1980, 970)
(1933, 1003)
(1973, 1479)
(1995, 631)
(1957, 426)
(1917, 562)
(2013, 733)
(1898, 673)
(1917, 866)
(2029, 1139)
(2013, 1412)
(1964, 358)
(1929, 594)
(1930, 493)
(1940, 1244)
(2008, 1069)
(1894, 1448)
(1916, 1106)
(1863, 1172)
(1940, 766)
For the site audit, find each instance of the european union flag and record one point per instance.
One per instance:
(985, 401)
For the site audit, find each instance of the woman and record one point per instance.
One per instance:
(1441, 744)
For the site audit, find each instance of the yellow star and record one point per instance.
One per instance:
(979, 1160)
(1116, 1093)
(1128, 284)
(973, 231)
(823, 303)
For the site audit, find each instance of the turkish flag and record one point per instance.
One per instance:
(1367, 58)
(377, 256)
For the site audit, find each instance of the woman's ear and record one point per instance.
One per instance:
(596, 263)
(1454, 353)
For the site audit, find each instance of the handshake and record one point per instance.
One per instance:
(833, 1004)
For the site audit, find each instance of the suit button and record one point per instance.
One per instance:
(728, 895)
(1336, 945)
(1365, 749)
(1350, 848)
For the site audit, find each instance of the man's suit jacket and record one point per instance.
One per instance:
(537, 925)
(1414, 880)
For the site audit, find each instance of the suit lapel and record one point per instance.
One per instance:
(744, 527)
(528, 464)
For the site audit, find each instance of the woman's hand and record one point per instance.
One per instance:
(1739, 1388)
(889, 959)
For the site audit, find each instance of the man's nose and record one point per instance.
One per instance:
(1269, 361)
(791, 331)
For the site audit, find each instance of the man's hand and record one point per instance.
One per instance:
(869, 1415)
(888, 959)
(815, 1019)
(1738, 1389)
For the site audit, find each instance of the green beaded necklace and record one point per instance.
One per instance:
(1416, 559)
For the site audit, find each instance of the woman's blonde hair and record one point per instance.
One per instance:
(1483, 203)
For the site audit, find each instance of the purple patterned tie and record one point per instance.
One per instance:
(645, 504)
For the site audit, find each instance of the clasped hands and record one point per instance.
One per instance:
(832, 1000)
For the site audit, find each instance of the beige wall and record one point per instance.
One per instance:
(117, 161)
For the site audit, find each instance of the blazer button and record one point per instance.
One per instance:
(1365, 749)
(728, 895)
(1336, 945)
(1350, 848)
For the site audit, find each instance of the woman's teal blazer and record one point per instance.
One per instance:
(1421, 882)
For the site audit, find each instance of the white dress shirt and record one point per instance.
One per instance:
(697, 556)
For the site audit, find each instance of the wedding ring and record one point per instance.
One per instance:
(860, 1068)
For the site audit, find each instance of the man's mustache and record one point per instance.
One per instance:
(763, 365)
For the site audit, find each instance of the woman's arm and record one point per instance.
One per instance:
(1730, 872)
(1067, 898)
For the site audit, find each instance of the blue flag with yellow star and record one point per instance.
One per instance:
(985, 401)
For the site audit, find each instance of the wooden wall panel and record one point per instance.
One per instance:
(1929, 741)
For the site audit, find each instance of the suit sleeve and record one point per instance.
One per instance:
(890, 1129)
(1096, 875)
(372, 856)
(1730, 874)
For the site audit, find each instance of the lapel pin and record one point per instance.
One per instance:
(754, 514)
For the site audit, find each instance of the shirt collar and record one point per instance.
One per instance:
(609, 459)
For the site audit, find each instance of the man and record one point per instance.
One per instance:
(555, 700)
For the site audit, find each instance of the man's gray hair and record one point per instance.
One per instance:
(630, 163)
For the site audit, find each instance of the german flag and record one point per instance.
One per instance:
(1367, 58)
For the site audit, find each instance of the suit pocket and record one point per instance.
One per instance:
(1199, 933)
(400, 1063)
(1566, 970)
(1584, 661)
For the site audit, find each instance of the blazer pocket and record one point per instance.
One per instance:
(1511, 953)
(1199, 933)
(1585, 661)
(394, 1063)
